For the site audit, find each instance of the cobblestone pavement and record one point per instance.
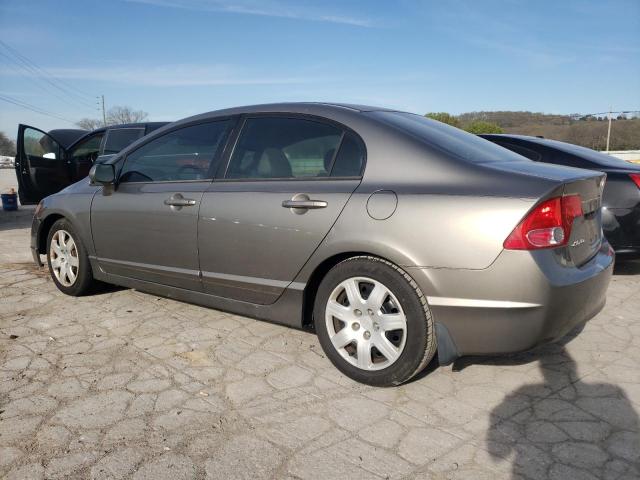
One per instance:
(124, 384)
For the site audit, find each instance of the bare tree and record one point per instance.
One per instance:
(118, 114)
(115, 116)
(89, 123)
(7, 146)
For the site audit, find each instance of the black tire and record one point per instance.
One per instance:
(420, 343)
(84, 281)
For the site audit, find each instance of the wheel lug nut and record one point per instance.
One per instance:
(367, 335)
(355, 326)
(357, 312)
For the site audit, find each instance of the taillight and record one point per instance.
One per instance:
(547, 225)
(636, 178)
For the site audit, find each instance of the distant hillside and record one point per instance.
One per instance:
(589, 132)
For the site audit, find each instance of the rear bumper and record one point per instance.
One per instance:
(522, 300)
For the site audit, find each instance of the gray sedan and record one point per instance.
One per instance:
(393, 236)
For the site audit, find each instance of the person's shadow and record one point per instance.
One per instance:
(564, 428)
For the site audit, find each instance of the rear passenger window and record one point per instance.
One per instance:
(520, 150)
(350, 158)
(278, 147)
(119, 138)
(184, 154)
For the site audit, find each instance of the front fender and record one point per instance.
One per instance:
(76, 208)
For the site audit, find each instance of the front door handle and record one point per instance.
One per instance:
(179, 201)
(306, 204)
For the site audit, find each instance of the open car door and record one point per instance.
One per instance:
(40, 165)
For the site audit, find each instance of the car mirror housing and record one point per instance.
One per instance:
(103, 173)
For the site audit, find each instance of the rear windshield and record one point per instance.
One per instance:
(450, 139)
(597, 158)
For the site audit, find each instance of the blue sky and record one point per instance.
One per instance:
(176, 58)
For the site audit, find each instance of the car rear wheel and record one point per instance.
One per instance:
(373, 322)
(67, 259)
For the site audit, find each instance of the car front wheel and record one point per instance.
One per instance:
(373, 322)
(67, 259)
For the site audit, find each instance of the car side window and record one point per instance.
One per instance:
(40, 145)
(87, 150)
(350, 158)
(120, 138)
(184, 154)
(280, 147)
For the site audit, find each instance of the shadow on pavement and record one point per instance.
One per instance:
(627, 267)
(102, 288)
(564, 427)
(17, 219)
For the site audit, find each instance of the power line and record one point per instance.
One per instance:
(45, 88)
(33, 108)
(79, 93)
(34, 70)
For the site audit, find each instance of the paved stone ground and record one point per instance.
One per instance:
(128, 385)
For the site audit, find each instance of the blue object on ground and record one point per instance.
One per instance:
(9, 201)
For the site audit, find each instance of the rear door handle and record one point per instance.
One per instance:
(179, 201)
(306, 204)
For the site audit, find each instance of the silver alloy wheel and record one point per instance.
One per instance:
(63, 255)
(366, 323)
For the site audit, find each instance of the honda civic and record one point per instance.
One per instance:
(390, 235)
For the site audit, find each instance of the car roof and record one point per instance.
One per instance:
(131, 125)
(317, 108)
(67, 136)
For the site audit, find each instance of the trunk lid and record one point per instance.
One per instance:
(557, 181)
(586, 234)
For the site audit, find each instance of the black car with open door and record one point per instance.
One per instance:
(46, 162)
(621, 195)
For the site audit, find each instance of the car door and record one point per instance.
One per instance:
(40, 166)
(82, 155)
(146, 227)
(287, 180)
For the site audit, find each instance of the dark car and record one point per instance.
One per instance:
(621, 196)
(391, 233)
(48, 162)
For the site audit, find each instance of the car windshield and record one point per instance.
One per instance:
(445, 137)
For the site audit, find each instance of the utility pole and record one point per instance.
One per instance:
(608, 130)
(104, 119)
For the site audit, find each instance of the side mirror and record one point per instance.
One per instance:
(103, 173)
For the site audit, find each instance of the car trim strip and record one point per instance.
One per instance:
(254, 280)
(150, 267)
(477, 303)
(209, 275)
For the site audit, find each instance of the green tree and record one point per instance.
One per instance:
(444, 117)
(480, 126)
